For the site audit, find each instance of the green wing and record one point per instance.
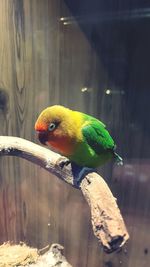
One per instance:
(97, 136)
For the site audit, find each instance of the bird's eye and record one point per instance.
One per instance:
(52, 126)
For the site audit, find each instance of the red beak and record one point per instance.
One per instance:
(43, 137)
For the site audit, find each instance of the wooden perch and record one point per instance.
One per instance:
(108, 224)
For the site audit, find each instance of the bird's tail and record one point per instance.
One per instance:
(118, 159)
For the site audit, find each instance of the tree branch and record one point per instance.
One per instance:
(108, 224)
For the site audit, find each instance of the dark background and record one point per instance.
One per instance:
(119, 33)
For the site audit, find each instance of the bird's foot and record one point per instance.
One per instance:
(79, 173)
(63, 162)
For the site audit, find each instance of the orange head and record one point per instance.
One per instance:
(56, 126)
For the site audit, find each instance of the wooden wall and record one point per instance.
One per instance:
(44, 62)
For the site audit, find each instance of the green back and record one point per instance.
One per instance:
(96, 135)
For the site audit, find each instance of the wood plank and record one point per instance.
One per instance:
(44, 62)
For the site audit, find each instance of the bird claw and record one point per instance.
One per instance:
(63, 162)
(79, 173)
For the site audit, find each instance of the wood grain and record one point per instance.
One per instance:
(44, 62)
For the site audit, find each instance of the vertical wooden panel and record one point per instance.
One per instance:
(44, 62)
(37, 208)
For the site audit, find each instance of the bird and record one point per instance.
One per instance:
(80, 137)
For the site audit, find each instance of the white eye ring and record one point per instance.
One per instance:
(52, 126)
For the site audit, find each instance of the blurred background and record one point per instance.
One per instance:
(93, 56)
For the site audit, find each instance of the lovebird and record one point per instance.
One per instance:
(81, 138)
